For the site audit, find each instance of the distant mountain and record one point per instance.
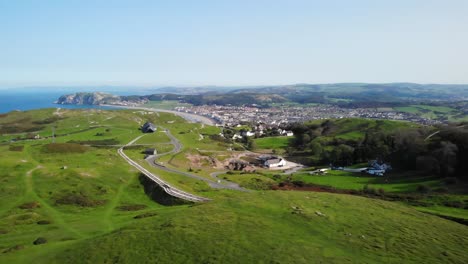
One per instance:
(345, 94)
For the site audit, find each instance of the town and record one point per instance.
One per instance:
(282, 115)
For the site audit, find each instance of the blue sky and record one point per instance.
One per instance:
(232, 42)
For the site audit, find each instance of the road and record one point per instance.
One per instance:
(152, 160)
(171, 190)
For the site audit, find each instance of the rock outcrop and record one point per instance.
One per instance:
(95, 98)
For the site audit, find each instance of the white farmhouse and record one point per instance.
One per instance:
(274, 163)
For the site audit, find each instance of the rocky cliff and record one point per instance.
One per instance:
(95, 98)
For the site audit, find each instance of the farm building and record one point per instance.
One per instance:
(148, 128)
(273, 163)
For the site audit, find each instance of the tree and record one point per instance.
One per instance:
(447, 156)
(315, 148)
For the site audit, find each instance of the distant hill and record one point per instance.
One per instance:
(346, 94)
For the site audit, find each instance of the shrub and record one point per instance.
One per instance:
(298, 183)
(16, 148)
(79, 200)
(40, 240)
(30, 205)
(442, 190)
(131, 207)
(14, 248)
(64, 148)
(455, 204)
(451, 180)
(149, 214)
(423, 188)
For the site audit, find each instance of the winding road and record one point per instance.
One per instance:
(171, 190)
(219, 184)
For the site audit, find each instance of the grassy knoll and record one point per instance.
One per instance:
(90, 206)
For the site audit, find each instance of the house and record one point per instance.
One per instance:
(289, 133)
(148, 128)
(274, 163)
(248, 133)
(236, 136)
(377, 168)
(374, 164)
(375, 172)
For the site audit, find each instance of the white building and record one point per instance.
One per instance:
(274, 163)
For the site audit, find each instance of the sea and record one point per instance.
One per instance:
(36, 98)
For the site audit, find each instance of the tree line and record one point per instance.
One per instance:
(409, 148)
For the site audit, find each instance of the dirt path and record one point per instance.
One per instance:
(52, 212)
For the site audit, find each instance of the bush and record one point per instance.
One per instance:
(79, 200)
(14, 248)
(451, 180)
(30, 205)
(368, 190)
(455, 204)
(423, 188)
(131, 207)
(16, 148)
(442, 190)
(381, 191)
(43, 222)
(64, 148)
(298, 183)
(149, 214)
(40, 240)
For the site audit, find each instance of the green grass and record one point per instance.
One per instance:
(250, 181)
(273, 226)
(434, 202)
(356, 181)
(272, 142)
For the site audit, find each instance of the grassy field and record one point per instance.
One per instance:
(250, 180)
(448, 203)
(434, 112)
(356, 181)
(293, 227)
(90, 206)
(272, 142)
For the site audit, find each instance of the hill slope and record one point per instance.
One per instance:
(79, 197)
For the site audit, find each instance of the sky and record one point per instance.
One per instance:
(231, 43)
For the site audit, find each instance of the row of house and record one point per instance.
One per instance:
(250, 133)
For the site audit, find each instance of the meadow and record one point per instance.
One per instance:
(72, 199)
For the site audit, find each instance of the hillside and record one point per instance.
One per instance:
(81, 202)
